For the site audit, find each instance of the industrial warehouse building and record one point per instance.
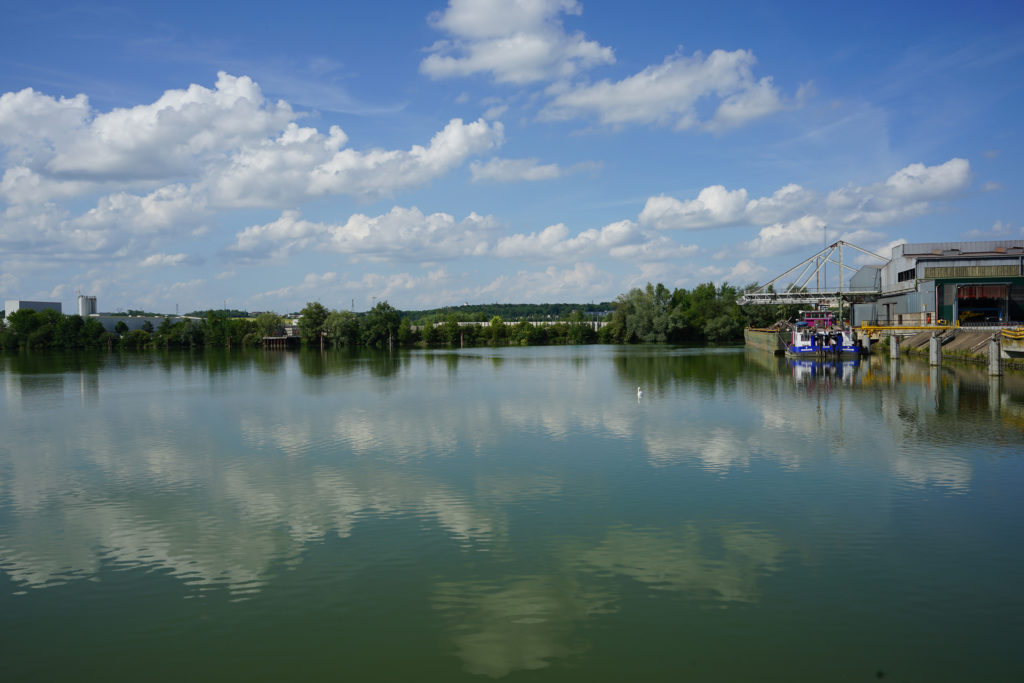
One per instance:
(973, 283)
(13, 305)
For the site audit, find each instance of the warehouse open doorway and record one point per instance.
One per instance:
(982, 304)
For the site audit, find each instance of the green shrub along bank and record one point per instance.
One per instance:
(653, 314)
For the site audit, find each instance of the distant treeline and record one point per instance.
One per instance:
(50, 329)
(507, 312)
(654, 314)
(385, 327)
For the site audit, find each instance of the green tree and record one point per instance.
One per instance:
(311, 322)
(406, 335)
(537, 335)
(520, 333)
(44, 335)
(23, 322)
(239, 329)
(450, 330)
(187, 334)
(380, 329)
(498, 332)
(641, 315)
(579, 330)
(269, 324)
(136, 339)
(121, 327)
(342, 328)
(162, 336)
(430, 334)
(217, 330)
(93, 333)
(68, 334)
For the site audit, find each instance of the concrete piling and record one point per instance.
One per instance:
(995, 357)
(894, 347)
(934, 350)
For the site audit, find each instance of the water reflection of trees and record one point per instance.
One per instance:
(656, 370)
(314, 363)
(47, 362)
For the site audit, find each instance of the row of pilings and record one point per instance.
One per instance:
(995, 355)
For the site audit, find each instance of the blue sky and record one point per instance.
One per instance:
(261, 156)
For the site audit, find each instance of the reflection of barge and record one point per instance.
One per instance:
(805, 370)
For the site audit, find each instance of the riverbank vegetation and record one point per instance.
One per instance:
(654, 314)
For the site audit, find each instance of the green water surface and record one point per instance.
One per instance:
(518, 513)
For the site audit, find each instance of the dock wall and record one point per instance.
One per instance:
(964, 345)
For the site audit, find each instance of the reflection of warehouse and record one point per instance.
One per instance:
(970, 282)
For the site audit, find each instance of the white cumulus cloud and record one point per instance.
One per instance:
(169, 167)
(165, 209)
(498, 170)
(404, 234)
(908, 192)
(669, 94)
(786, 237)
(515, 42)
(911, 191)
(303, 163)
(514, 170)
(66, 140)
(715, 206)
(581, 282)
(156, 260)
(622, 239)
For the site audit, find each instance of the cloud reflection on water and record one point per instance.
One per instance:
(526, 622)
(222, 488)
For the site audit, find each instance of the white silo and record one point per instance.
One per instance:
(86, 305)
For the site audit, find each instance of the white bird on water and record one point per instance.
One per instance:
(639, 393)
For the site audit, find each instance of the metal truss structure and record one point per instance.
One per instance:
(813, 284)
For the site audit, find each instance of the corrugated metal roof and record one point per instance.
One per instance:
(942, 248)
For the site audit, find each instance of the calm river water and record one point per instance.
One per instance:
(520, 513)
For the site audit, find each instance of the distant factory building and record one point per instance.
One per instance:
(973, 283)
(86, 305)
(12, 305)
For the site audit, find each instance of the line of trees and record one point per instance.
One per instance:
(385, 327)
(653, 314)
(704, 315)
(49, 329)
(46, 329)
